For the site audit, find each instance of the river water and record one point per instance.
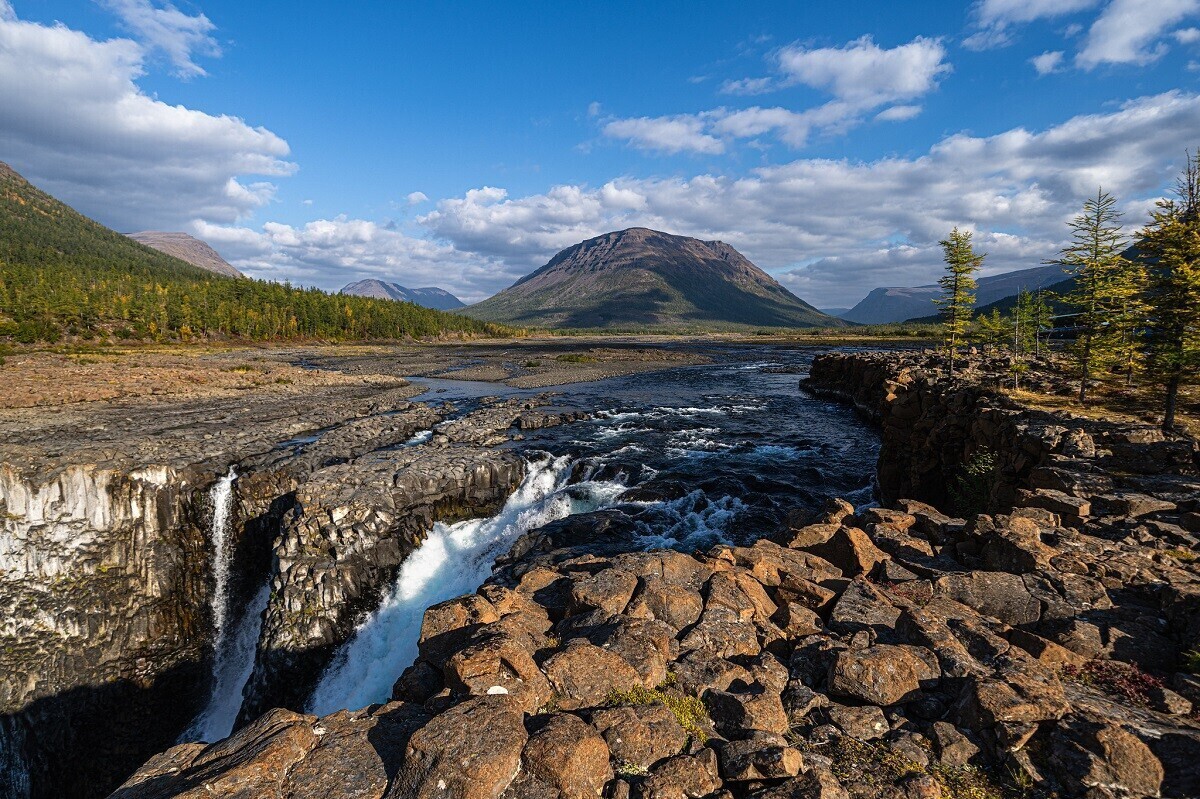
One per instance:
(689, 458)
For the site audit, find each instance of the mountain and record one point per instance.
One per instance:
(64, 274)
(429, 297)
(886, 305)
(640, 278)
(187, 248)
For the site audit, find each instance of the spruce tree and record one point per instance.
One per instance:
(1094, 259)
(1171, 248)
(958, 286)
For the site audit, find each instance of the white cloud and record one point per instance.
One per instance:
(76, 123)
(853, 226)
(417, 197)
(178, 36)
(994, 18)
(330, 253)
(1187, 35)
(673, 134)
(1129, 31)
(860, 76)
(1047, 62)
(898, 113)
(748, 86)
(865, 75)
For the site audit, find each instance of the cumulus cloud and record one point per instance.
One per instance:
(1130, 31)
(417, 197)
(834, 229)
(861, 76)
(330, 253)
(672, 134)
(177, 35)
(1047, 62)
(995, 18)
(865, 75)
(76, 123)
(1187, 35)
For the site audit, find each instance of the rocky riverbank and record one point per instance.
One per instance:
(1035, 646)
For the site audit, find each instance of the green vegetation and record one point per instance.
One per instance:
(1191, 661)
(1107, 289)
(1171, 243)
(575, 357)
(61, 274)
(971, 488)
(689, 710)
(958, 285)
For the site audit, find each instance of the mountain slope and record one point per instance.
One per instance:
(428, 297)
(884, 305)
(640, 278)
(62, 273)
(187, 248)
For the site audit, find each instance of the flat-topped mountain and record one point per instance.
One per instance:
(428, 297)
(187, 248)
(640, 278)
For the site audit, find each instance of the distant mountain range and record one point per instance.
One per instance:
(429, 297)
(187, 248)
(645, 279)
(884, 305)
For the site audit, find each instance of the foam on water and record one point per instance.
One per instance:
(453, 560)
(222, 500)
(233, 667)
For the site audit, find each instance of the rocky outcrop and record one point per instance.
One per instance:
(764, 671)
(962, 443)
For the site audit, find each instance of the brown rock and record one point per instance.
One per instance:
(640, 735)
(737, 714)
(997, 594)
(569, 754)
(881, 675)
(497, 664)
(609, 590)
(865, 722)
(584, 675)
(762, 756)
(471, 751)
(656, 598)
(851, 550)
(683, 777)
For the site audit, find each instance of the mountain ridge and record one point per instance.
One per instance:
(641, 278)
(427, 297)
(187, 248)
(903, 303)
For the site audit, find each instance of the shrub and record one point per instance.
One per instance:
(689, 710)
(971, 488)
(1119, 679)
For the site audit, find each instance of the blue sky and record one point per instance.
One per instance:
(462, 144)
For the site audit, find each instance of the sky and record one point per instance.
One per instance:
(462, 144)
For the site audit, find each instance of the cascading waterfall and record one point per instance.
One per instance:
(231, 671)
(14, 771)
(234, 646)
(453, 560)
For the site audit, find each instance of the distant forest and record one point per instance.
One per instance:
(63, 274)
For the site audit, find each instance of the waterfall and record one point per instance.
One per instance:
(453, 560)
(234, 646)
(14, 772)
(231, 671)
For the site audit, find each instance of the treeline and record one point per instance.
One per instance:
(61, 274)
(1134, 311)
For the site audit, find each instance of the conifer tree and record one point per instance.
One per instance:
(1031, 315)
(1171, 247)
(1094, 259)
(958, 286)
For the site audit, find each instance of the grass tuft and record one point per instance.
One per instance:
(688, 710)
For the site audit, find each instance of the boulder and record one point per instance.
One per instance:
(881, 675)
(851, 550)
(762, 756)
(583, 674)
(569, 754)
(471, 751)
(640, 735)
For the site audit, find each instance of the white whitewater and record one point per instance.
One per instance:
(231, 671)
(234, 647)
(453, 560)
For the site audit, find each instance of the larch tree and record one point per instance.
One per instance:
(1171, 248)
(958, 286)
(1094, 259)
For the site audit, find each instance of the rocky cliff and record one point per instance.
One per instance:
(107, 554)
(1038, 649)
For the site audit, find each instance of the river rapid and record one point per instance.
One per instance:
(686, 458)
